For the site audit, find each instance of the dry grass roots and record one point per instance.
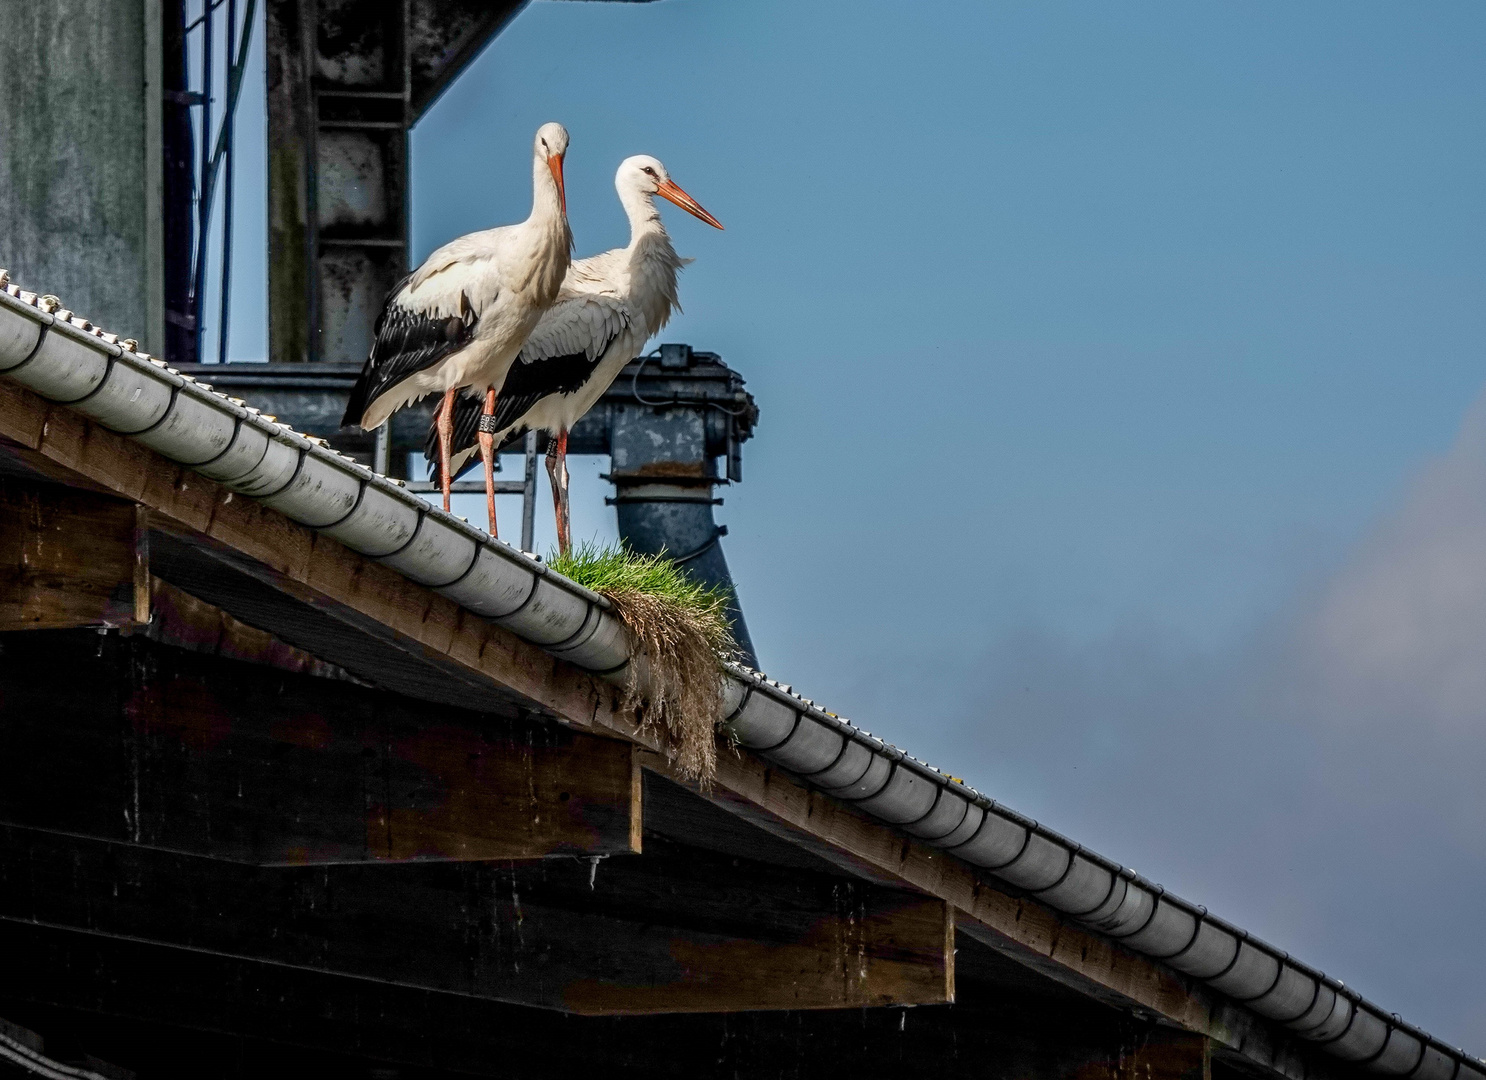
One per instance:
(681, 632)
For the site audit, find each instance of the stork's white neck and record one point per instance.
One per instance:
(540, 248)
(545, 202)
(644, 216)
(651, 262)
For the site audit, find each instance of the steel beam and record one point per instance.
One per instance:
(347, 79)
(668, 425)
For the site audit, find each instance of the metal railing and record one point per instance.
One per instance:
(525, 487)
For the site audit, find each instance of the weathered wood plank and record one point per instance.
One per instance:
(849, 945)
(143, 594)
(187, 622)
(674, 930)
(69, 559)
(1152, 1054)
(1164, 1054)
(331, 633)
(274, 1017)
(125, 739)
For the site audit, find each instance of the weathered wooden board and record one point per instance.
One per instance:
(1155, 1053)
(187, 622)
(69, 558)
(1167, 1054)
(125, 739)
(145, 1006)
(674, 930)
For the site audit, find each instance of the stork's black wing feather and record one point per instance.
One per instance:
(407, 342)
(559, 358)
(527, 384)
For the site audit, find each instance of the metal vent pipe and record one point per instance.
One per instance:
(677, 412)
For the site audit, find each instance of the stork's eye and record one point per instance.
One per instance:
(648, 169)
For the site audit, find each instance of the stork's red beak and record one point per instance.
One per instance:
(670, 190)
(555, 164)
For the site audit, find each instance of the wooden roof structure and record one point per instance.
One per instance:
(267, 803)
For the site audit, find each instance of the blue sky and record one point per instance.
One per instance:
(1113, 361)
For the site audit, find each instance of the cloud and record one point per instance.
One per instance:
(1318, 780)
(1401, 631)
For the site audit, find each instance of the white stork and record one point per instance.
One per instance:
(609, 306)
(459, 320)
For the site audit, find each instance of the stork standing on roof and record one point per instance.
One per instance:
(459, 320)
(609, 306)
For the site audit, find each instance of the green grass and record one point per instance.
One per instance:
(682, 631)
(614, 569)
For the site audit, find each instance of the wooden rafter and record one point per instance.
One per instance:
(677, 930)
(125, 740)
(70, 558)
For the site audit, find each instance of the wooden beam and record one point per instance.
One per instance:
(26, 464)
(187, 622)
(126, 739)
(144, 1006)
(70, 559)
(364, 649)
(143, 593)
(1165, 1054)
(319, 572)
(746, 937)
(1152, 1053)
(674, 930)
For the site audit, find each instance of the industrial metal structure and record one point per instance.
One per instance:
(346, 81)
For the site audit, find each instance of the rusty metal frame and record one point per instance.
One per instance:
(347, 81)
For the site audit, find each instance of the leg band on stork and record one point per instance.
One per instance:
(486, 436)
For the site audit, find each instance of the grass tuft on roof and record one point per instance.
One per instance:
(681, 631)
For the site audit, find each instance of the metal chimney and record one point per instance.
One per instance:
(666, 422)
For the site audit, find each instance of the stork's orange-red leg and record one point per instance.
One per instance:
(557, 472)
(445, 423)
(487, 453)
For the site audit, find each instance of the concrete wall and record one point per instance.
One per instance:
(80, 157)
